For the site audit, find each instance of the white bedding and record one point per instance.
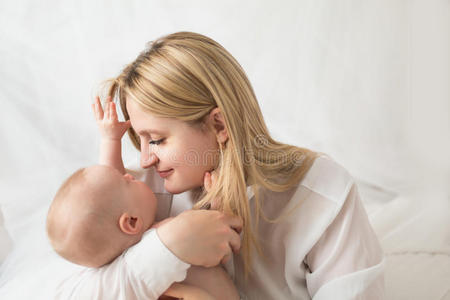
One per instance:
(417, 251)
(415, 236)
(350, 79)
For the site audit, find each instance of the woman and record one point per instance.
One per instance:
(195, 119)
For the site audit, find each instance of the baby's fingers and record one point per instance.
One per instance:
(107, 111)
(113, 112)
(108, 108)
(98, 110)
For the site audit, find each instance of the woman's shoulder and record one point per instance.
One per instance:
(328, 178)
(326, 184)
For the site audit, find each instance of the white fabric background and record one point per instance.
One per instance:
(364, 81)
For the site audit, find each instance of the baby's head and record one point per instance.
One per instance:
(98, 213)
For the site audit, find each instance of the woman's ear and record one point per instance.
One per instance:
(130, 224)
(217, 122)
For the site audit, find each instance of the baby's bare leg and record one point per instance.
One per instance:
(214, 280)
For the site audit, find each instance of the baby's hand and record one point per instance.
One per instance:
(107, 121)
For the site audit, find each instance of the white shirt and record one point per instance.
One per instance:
(325, 249)
(143, 271)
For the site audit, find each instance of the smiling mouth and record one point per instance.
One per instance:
(165, 173)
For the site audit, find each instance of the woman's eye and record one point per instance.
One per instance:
(156, 142)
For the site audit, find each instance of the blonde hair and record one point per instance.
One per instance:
(185, 75)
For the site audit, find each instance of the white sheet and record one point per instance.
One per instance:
(416, 240)
(365, 82)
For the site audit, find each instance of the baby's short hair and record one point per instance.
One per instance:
(77, 178)
(84, 238)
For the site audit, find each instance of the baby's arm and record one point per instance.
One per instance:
(201, 283)
(205, 284)
(111, 131)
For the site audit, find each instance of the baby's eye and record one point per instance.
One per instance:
(156, 142)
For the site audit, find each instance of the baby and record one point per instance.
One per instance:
(97, 214)
(103, 218)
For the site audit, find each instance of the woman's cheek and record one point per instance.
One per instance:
(168, 157)
(191, 176)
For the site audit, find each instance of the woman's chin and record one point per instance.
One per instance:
(178, 189)
(173, 189)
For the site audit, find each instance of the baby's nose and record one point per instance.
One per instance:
(129, 176)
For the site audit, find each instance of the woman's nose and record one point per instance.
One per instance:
(148, 160)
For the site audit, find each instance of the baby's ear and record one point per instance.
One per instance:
(130, 224)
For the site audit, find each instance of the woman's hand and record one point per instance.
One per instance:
(202, 237)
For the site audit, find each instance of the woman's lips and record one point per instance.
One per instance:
(166, 173)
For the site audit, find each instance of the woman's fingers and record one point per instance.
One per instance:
(213, 177)
(215, 203)
(207, 181)
(225, 259)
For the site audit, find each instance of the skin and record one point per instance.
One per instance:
(212, 235)
(203, 283)
(203, 238)
(168, 143)
(105, 197)
(138, 201)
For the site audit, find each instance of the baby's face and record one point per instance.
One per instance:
(141, 198)
(137, 198)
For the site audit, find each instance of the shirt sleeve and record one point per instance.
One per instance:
(152, 267)
(347, 261)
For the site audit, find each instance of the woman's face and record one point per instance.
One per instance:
(184, 151)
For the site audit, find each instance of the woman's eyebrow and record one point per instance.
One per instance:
(150, 131)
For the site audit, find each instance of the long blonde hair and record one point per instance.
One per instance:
(185, 75)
